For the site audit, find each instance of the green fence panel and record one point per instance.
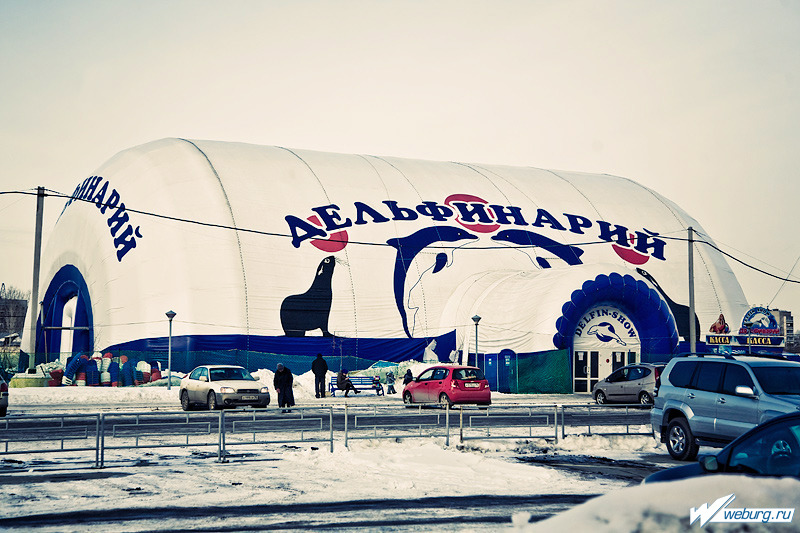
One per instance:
(544, 373)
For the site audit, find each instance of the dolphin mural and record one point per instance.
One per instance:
(409, 247)
(570, 254)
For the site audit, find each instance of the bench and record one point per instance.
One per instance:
(359, 382)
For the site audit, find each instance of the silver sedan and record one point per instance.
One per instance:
(218, 386)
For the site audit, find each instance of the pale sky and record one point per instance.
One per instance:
(696, 100)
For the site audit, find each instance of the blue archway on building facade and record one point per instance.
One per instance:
(642, 304)
(68, 283)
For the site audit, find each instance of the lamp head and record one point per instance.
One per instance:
(171, 314)
(476, 319)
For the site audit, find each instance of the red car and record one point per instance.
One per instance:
(449, 384)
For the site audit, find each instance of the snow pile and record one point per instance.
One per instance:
(92, 396)
(665, 506)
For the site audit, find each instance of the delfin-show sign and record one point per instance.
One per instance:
(327, 228)
(759, 328)
(606, 326)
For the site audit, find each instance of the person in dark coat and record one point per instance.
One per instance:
(283, 387)
(344, 383)
(408, 378)
(320, 369)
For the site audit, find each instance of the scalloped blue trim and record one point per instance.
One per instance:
(644, 306)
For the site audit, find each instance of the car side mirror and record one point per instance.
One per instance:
(416, 379)
(709, 463)
(203, 378)
(743, 390)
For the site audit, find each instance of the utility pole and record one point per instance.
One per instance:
(692, 328)
(37, 252)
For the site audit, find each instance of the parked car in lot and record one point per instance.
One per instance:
(712, 399)
(3, 397)
(770, 449)
(629, 384)
(449, 385)
(218, 386)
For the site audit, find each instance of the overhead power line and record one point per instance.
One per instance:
(57, 194)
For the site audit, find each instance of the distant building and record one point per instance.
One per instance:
(786, 323)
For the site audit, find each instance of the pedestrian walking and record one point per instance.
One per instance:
(408, 378)
(390, 383)
(283, 387)
(320, 369)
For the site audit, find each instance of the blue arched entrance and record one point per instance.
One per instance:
(650, 314)
(66, 285)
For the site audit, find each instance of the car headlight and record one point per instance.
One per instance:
(264, 390)
(224, 390)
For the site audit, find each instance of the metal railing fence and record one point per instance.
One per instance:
(225, 429)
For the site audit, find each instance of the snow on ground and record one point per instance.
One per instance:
(665, 507)
(380, 469)
(364, 470)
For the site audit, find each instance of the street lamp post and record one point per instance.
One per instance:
(170, 314)
(477, 319)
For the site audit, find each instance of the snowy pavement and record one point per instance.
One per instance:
(410, 485)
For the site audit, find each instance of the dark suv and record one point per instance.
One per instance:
(711, 400)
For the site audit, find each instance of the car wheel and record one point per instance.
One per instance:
(600, 397)
(407, 399)
(211, 403)
(444, 401)
(3, 411)
(680, 441)
(645, 398)
(186, 405)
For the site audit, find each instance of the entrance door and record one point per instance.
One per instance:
(605, 340)
(602, 368)
(580, 371)
(491, 370)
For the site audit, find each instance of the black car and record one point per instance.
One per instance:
(770, 449)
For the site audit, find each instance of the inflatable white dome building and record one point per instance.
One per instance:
(277, 251)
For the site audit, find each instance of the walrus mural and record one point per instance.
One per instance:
(310, 310)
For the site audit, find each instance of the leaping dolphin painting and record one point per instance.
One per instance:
(570, 254)
(606, 333)
(409, 247)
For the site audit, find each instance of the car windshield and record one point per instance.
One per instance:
(778, 379)
(221, 374)
(468, 373)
